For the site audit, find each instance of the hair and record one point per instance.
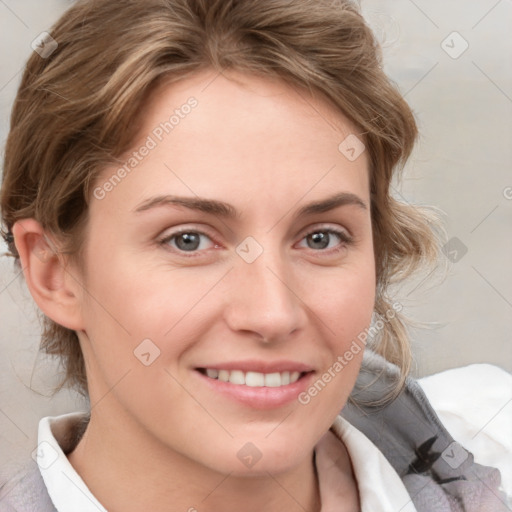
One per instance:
(77, 111)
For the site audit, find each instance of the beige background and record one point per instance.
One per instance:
(462, 164)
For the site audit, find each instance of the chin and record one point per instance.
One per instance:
(262, 456)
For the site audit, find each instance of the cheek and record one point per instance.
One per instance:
(132, 299)
(132, 311)
(347, 303)
(346, 309)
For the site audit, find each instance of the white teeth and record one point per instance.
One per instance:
(273, 380)
(224, 375)
(294, 377)
(254, 379)
(237, 377)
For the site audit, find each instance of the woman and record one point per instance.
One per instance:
(198, 194)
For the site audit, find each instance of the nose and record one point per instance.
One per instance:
(263, 300)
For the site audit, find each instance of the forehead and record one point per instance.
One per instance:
(239, 135)
(254, 105)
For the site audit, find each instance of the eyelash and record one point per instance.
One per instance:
(345, 240)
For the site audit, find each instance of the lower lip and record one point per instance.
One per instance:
(259, 397)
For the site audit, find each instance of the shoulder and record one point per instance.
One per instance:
(24, 491)
(439, 472)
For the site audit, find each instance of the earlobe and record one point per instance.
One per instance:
(54, 289)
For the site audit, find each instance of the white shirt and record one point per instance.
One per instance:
(380, 487)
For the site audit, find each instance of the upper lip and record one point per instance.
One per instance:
(260, 366)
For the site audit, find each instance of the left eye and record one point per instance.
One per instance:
(321, 238)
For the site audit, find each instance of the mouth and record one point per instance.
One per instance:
(253, 379)
(257, 386)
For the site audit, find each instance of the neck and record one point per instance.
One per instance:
(125, 471)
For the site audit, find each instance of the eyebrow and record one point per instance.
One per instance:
(228, 211)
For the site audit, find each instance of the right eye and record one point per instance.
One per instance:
(187, 241)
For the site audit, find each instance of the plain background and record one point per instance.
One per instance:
(462, 99)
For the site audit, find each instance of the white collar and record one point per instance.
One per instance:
(66, 488)
(380, 487)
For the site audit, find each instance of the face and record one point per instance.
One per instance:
(217, 289)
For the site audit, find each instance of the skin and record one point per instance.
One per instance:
(158, 434)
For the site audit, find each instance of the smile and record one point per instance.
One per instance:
(257, 384)
(253, 379)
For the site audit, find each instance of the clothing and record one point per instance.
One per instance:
(477, 411)
(386, 492)
(403, 458)
(440, 474)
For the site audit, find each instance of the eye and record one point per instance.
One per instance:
(324, 238)
(186, 240)
(191, 241)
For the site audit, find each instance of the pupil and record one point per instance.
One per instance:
(321, 238)
(190, 241)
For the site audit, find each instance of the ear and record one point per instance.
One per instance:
(51, 284)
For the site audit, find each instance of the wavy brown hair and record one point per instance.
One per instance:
(77, 111)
